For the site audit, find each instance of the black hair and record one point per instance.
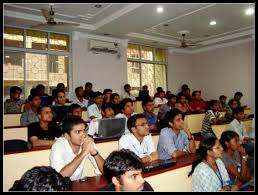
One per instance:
(33, 90)
(14, 89)
(72, 107)
(105, 106)
(88, 84)
(171, 114)
(184, 87)
(77, 89)
(106, 91)
(42, 178)
(146, 101)
(206, 144)
(126, 85)
(40, 108)
(57, 92)
(124, 102)
(96, 94)
(113, 95)
(194, 92)
(39, 87)
(238, 93)
(60, 85)
(144, 86)
(118, 162)
(132, 120)
(170, 96)
(159, 89)
(222, 97)
(231, 102)
(32, 96)
(180, 95)
(238, 110)
(226, 136)
(212, 102)
(69, 122)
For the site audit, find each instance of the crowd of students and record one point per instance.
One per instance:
(72, 139)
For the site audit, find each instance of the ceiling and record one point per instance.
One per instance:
(140, 23)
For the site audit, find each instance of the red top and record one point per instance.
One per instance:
(198, 104)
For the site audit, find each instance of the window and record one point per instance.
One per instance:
(44, 59)
(146, 66)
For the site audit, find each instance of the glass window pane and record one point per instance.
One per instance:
(160, 76)
(148, 77)
(13, 37)
(36, 40)
(146, 53)
(133, 51)
(134, 77)
(160, 55)
(13, 71)
(59, 42)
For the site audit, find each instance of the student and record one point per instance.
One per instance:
(14, 104)
(237, 96)
(127, 92)
(106, 97)
(235, 159)
(75, 110)
(139, 139)
(176, 139)
(167, 94)
(60, 109)
(182, 104)
(80, 99)
(94, 110)
(208, 171)
(160, 99)
(222, 103)
(148, 107)
(123, 171)
(168, 106)
(126, 106)
(115, 100)
(144, 93)
(42, 178)
(44, 132)
(187, 93)
(69, 153)
(88, 92)
(31, 116)
(232, 104)
(197, 103)
(212, 117)
(41, 90)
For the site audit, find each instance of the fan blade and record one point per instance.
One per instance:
(45, 13)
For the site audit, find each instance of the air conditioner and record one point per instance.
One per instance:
(103, 46)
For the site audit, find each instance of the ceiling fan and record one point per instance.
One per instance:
(184, 44)
(49, 16)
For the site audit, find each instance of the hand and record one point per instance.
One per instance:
(241, 150)
(87, 145)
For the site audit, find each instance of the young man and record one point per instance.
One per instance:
(94, 110)
(106, 97)
(182, 104)
(88, 92)
(222, 103)
(75, 110)
(44, 132)
(168, 106)
(197, 103)
(115, 100)
(144, 93)
(148, 107)
(139, 139)
(31, 116)
(127, 93)
(175, 140)
(80, 99)
(60, 110)
(123, 169)
(69, 153)
(237, 96)
(232, 104)
(126, 106)
(160, 100)
(14, 104)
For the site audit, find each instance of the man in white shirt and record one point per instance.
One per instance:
(69, 152)
(94, 110)
(80, 99)
(139, 140)
(160, 100)
(127, 93)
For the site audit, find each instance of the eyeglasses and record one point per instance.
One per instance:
(143, 124)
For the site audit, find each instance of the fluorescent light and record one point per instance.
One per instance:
(213, 22)
(249, 11)
(159, 9)
(7, 56)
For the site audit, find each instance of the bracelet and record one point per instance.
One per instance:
(95, 154)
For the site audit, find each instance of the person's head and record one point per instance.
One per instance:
(74, 130)
(229, 140)
(75, 110)
(45, 113)
(33, 90)
(175, 119)
(127, 88)
(79, 91)
(88, 86)
(184, 87)
(40, 89)
(126, 106)
(15, 92)
(124, 169)
(182, 98)
(60, 97)
(98, 98)
(108, 111)
(107, 93)
(188, 92)
(210, 147)
(214, 105)
(115, 98)
(232, 104)
(239, 113)
(196, 95)
(161, 94)
(148, 106)
(172, 98)
(42, 178)
(60, 86)
(238, 95)
(222, 99)
(138, 125)
(34, 100)
(159, 89)
(145, 88)
(168, 93)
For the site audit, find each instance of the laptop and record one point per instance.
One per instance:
(158, 165)
(110, 128)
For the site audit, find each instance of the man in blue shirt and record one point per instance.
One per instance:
(148, 107)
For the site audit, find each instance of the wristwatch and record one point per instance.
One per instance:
(245, 157)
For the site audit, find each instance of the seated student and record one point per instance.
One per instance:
(182, 104)
(144, 93)
(235, 159)
(139, 139)
(80, 99)
(151, 118)
(160, 99)
(41, 90)
(208, 171)
(44, 132)
(158, 90)
(108, 112)
(187, 93)
(88, 92)
(212, 117)
(176, 139)
(31, 116)
(115, 100)
(61, 87)
(94, 110)
(222, 103)
(168, 106)
(126, 106)
(75, 110)
(60, 110)
(197, 103)
(69, 152)
(237, 125)
(232, 104)
(14, 104)
(127, 93)
(106, 97)
(167, 94)
(42, 178)
(237, 96)
(123, 169)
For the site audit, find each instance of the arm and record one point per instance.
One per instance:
(192, 146)
(38, 142)
(153, 156)
(98, 158)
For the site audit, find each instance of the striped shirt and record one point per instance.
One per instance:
(206, 124)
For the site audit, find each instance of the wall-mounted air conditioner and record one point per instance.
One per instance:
(103, 46)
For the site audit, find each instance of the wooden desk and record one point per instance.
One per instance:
(12, 119)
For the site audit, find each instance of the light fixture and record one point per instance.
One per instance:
(249, 11)
(7, 56)
(213, 22)
(159, 9)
